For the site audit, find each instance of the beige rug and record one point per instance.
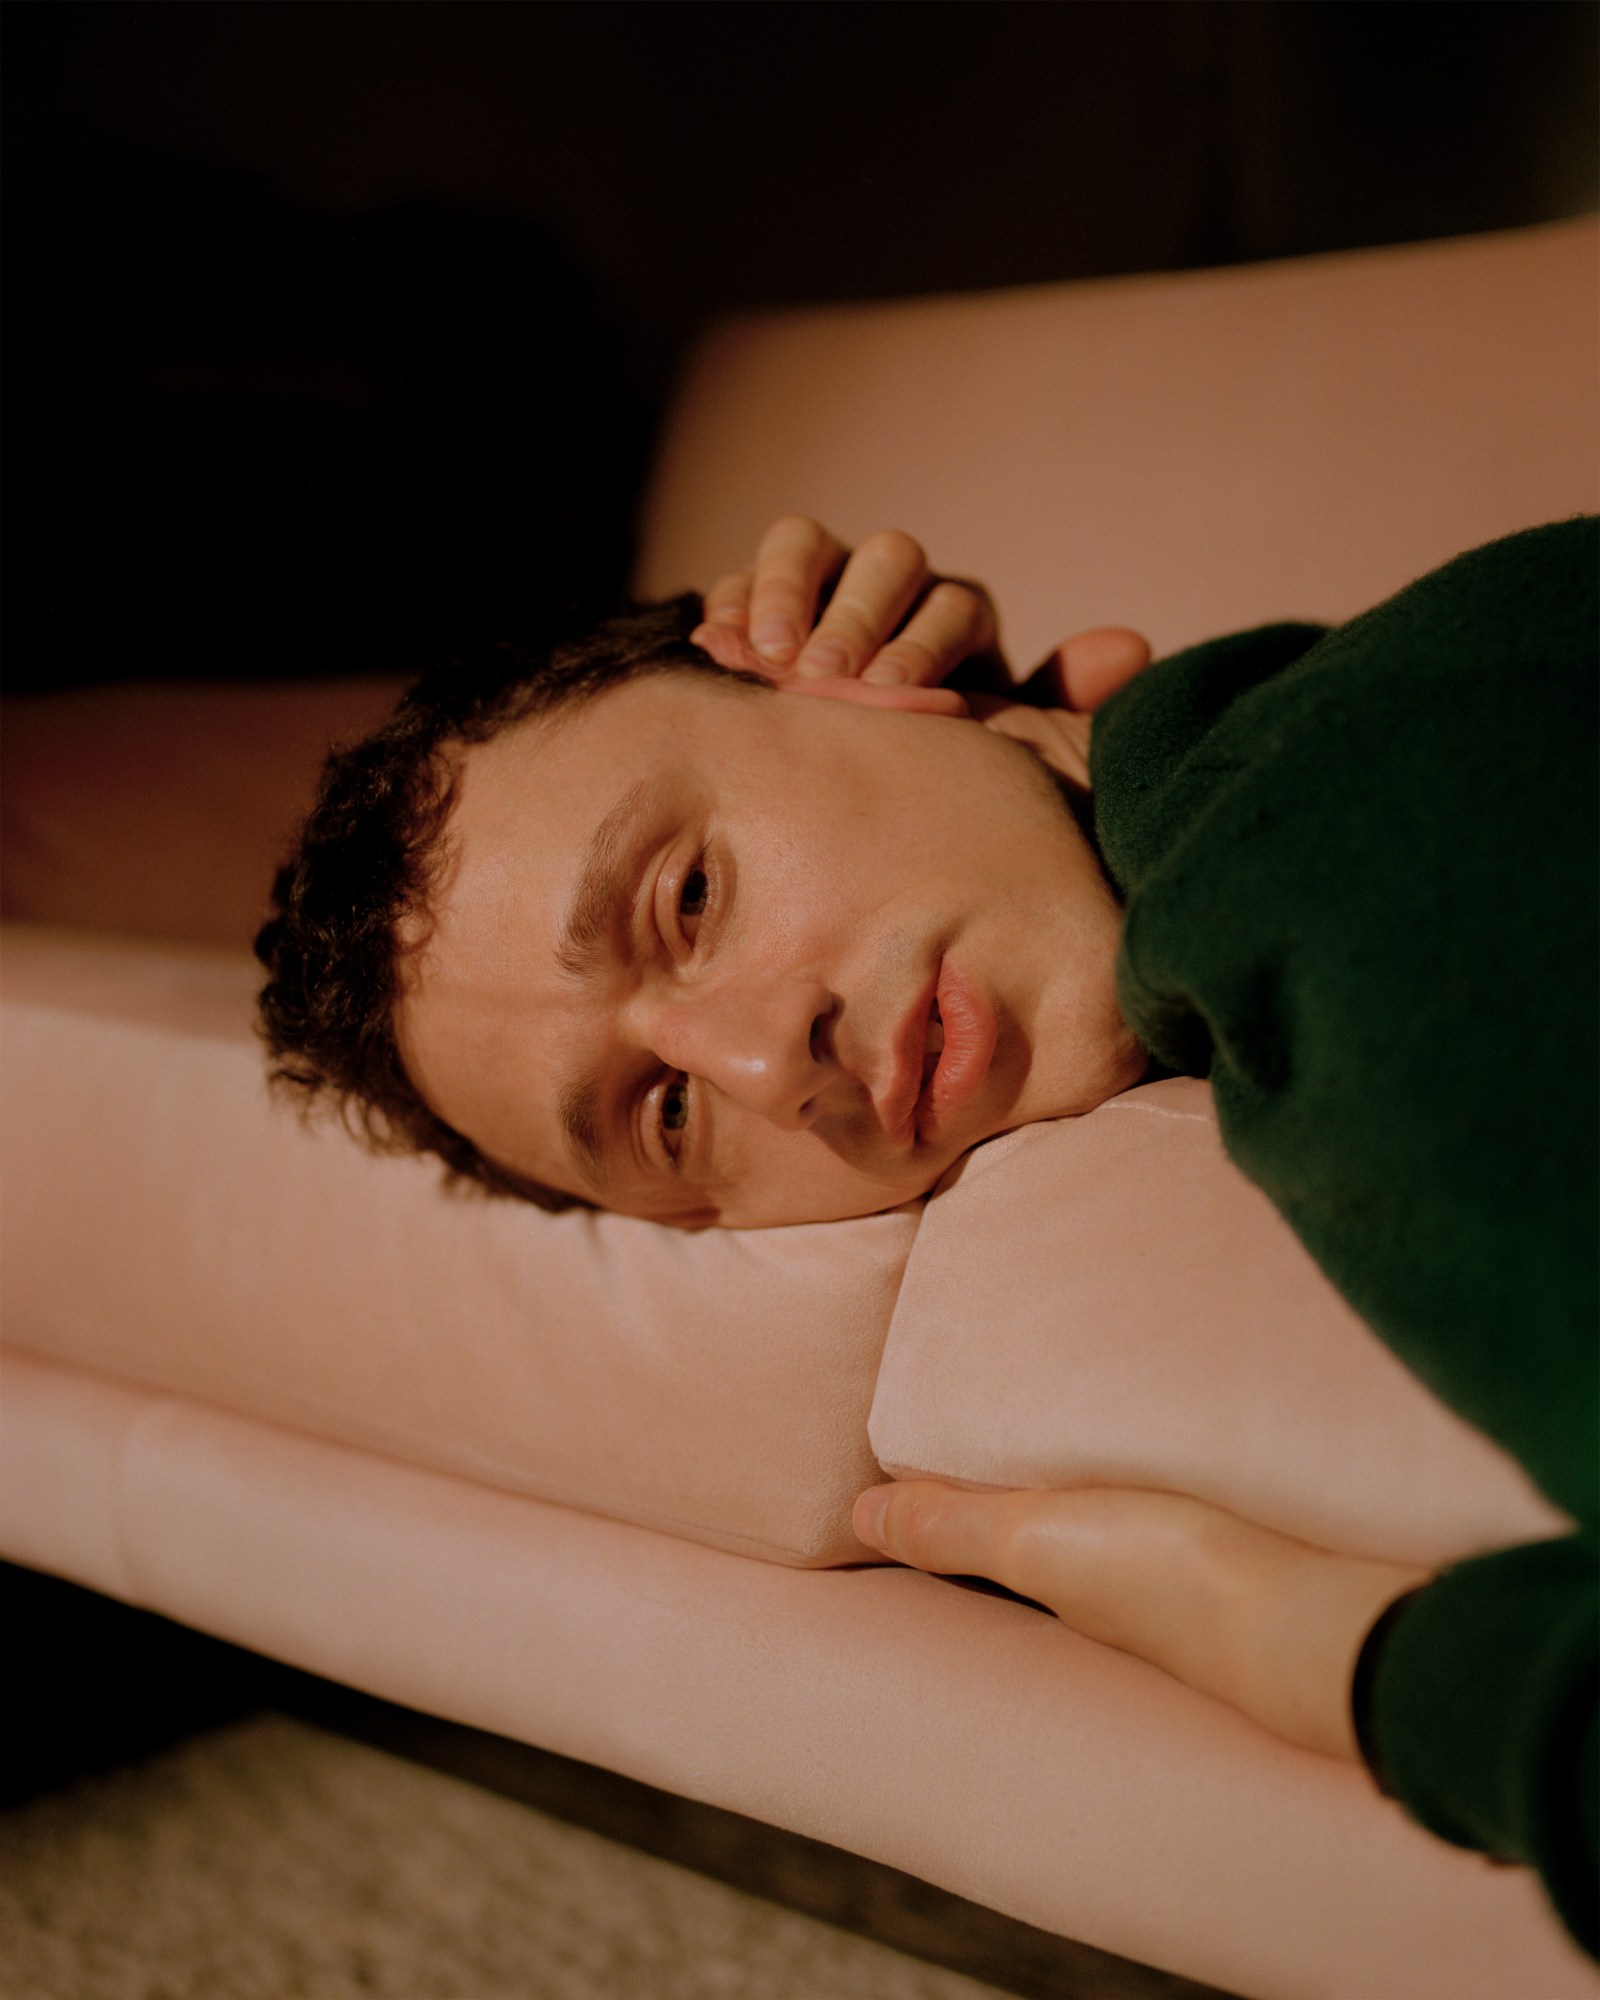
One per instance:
(271, 1861)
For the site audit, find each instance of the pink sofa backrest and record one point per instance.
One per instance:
(1190, 454)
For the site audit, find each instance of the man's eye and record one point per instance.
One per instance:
(692, 899)
(675, 1107)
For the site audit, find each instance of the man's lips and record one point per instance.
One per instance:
(902, 1083)
(971, 1030)
(915, 1104)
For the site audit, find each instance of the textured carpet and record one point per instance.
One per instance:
(270, 1861)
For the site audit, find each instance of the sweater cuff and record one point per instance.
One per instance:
(1362, 1711)
(1480, 1713)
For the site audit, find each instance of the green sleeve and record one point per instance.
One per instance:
(1485, 1721)
(1360, 876)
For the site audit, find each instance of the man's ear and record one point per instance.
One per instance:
(870, 694)
(1058, 737)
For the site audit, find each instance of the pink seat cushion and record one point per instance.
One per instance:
(968, 1740)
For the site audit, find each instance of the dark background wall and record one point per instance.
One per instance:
(338, 331)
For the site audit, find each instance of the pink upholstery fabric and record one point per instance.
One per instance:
(1108, 1300)
(162, 1222)
(1190, 454)
(976, 1743)
(1103, 1298)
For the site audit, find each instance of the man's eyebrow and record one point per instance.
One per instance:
(579, 1112)
(597, 911)
(610, 865)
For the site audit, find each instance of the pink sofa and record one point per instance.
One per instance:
(586, 1483)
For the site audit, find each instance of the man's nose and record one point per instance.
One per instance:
(761, 1041)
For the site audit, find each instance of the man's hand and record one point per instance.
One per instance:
(890, 624)
(886, 618)
(1238, 1611)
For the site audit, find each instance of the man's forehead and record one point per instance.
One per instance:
(544, 786)
(575, 755)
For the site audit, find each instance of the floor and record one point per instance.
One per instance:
(270, 1858)
(179, 1817)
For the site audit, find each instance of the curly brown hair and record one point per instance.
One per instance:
(366, 859)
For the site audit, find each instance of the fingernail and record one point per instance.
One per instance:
(775, 639)
(870, 1510)
(824, 660)
(887, 673)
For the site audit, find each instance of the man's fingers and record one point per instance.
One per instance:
(944, 1529)
(869, 594)
(880, 583)
(1115, 1564)
(886, 618)
(796, 560)
(727, 602)
(729, 647)
(954, 622)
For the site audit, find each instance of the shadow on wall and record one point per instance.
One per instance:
(338, 334)
(251, 438)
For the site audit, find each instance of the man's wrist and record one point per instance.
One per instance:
(1314, 1612)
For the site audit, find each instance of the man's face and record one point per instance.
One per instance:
(691, 942)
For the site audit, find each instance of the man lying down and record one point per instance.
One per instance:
(630, 927)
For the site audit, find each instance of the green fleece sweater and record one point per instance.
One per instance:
(1360, 875)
